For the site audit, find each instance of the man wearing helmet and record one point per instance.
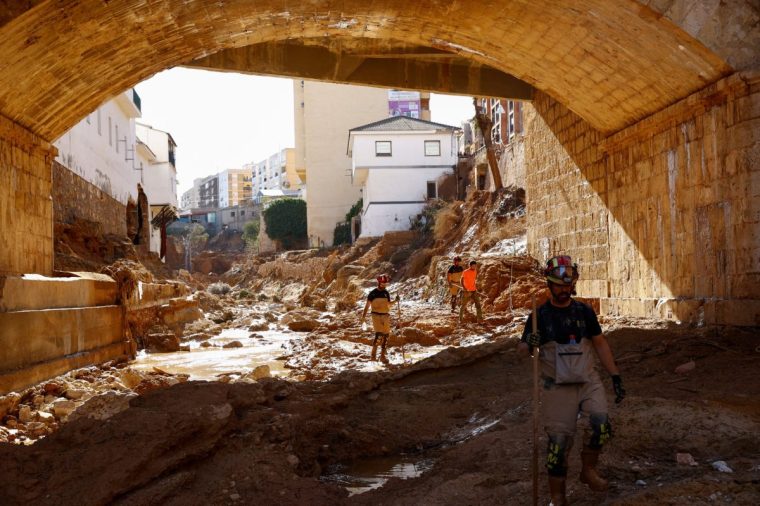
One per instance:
(454, 279)
(380, 301)
(568, 331)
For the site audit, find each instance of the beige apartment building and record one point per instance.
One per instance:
(324, 113)
(234, 187)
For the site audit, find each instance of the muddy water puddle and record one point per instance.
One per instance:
(207, 364)
(369, 474)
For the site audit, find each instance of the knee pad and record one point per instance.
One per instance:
(601, 430)
(556, 454)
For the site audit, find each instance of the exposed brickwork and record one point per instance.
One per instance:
(26, 213)
(75, 197)
(663, 216)
(611, 62)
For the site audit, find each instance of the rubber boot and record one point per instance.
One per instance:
(589, 475)
(373, 357)
(383, 358)
(557, 490)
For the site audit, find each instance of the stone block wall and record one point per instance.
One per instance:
(663, 216)
(26, 212)
(77, 198)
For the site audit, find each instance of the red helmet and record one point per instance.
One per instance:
(561, 270)
(383, 279)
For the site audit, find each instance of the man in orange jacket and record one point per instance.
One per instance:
(470, 292)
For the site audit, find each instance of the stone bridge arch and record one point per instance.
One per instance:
(594, 67)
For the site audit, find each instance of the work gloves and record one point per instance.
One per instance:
(617, 385)
(533, 340)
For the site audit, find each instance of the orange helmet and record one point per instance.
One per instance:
(561, 270)
(383, 279)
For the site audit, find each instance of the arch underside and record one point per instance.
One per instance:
(612, 63)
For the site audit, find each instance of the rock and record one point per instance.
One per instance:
(721, 466)
(301, 320)
(234, 497)
(161, 342)
(24, 413)
(130, 378)
(261, 371)
(686, 368)
(11, 422)
(415, 335)
(641, 483)
(52, 388)
(233, 344)
(45, 417)
(8, 403)
(63, 408)
(685, 459)
(36, 429)
(74, 393)
(255, 335)
(206, 344)
(258, 325)
(184, 347)
(38, 400)
(373, 396)
(104, 406)
(293, 460)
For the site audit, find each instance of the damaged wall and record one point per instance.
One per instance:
(26, 212)
(75, 197)
(663, 216)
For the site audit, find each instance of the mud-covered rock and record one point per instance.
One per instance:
(301, 320)
(161, 342)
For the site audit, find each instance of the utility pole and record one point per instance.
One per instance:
(485, 124)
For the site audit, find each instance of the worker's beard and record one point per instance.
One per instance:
(562, 297)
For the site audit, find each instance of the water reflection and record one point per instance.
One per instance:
(208, 363)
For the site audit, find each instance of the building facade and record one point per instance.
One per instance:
(324, 112)
(399, 164)
(234, 187)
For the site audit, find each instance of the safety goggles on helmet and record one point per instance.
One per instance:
(561, 270)
(383, 279)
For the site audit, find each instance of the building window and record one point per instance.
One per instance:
(432, 148)
(496, 111)
(242, 213)
(432, 190)
(511, 118)
(383, 148)
(232, 214)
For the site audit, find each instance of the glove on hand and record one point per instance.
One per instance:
(617, 385)
(533, 340)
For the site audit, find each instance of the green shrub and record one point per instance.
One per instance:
(286, 222)
(251, 232)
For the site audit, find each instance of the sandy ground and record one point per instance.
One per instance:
(463, 415)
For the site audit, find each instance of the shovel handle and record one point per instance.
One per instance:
(534, 318)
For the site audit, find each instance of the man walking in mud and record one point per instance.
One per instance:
(568, 335)
(454, 279)
(380, 301)
(470, 292)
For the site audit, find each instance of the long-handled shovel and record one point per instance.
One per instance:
(535, 407)
(398, 327)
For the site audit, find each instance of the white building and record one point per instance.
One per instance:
(156, 152)
(276, 171)
(398, 163)
(101, 148)
(191, 198)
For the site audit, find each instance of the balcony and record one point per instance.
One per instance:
(130, 103)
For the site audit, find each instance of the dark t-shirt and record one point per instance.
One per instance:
(560, 323)
(455, 268)
(377, 293)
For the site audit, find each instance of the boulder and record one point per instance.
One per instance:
(161, 342)
(301, 320)
(25, 414)
(8, 403)
(233, 344)
(63, 408)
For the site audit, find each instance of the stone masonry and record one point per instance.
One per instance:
(26, 224)
(75, 197)
(664, 216)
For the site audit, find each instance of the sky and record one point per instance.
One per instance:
(222, 120)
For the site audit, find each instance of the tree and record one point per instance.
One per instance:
(251, 232)
(342, 232)
(285, 221)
